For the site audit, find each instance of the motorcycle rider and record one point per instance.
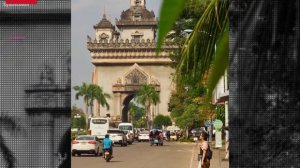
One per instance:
(107, 145)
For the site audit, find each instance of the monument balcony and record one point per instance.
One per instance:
(121, 45)
(120, 23)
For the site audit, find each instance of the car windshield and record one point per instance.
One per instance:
(125, 127)
(85, 138)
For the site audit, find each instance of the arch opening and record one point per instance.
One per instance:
(125, 110)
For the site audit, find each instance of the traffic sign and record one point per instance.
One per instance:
(218, 124)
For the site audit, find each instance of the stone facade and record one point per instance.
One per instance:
(127, 59)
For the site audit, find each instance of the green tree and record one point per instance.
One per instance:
(101, 97)
(206, 49)
(191, 117)
(147, 96)
(161, 120)
(138, 115)
(78, 122)
(90, 93)
(83, 91)
(176, 105)
(220, 112)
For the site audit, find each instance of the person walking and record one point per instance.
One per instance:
(204, 162)
(151, 136)
(168, 135)
(226, 142)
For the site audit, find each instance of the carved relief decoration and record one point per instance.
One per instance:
(136, 77)
(104, 36)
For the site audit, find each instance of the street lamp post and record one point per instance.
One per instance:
(77, 119)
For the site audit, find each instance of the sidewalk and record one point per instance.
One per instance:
(217, 160)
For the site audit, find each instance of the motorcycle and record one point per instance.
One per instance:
(107, 155)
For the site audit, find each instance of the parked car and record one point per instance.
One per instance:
(118, 137)
(143, 136)
(196, 131)
(88, 144)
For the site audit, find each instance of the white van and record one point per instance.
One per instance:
(128, 128)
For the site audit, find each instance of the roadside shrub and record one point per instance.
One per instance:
(185, 139)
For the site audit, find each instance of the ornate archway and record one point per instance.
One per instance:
(127, 86)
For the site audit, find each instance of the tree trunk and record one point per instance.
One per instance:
(92, 115)
(86, 116)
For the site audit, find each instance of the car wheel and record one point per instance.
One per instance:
(78, 154)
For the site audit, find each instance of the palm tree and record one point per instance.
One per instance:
(84, 92)
(147, 95)
(90, 93)
(9, 124)
(206, 49)
(100, 97)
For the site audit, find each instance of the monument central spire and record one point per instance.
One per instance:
(138, 3)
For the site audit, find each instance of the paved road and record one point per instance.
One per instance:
(141, 155)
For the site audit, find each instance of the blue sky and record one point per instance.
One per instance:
(85, 14)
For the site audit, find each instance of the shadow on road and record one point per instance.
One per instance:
(115, 161)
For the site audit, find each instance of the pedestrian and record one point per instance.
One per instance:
(151, 136)
(226, 142)
(205, 162)
(168, 135)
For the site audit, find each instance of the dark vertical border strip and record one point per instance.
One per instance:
(264, 84)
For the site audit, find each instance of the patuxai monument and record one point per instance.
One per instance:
(125, 58)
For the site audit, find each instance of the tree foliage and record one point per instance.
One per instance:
(138, 115)
(207, 44)
(147, 96)
(90, 93)
(78, 122)
(161, 120)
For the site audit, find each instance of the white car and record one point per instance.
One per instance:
(143, 136)
(173, 136)
(86, 144)
(129, 136)
(118, 137)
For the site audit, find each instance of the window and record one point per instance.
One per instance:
(137, 18)
(99, 121)
(137, 2)
(136, 39)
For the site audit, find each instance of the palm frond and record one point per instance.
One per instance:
(220, 63)
(169, 13)
(199, 50)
